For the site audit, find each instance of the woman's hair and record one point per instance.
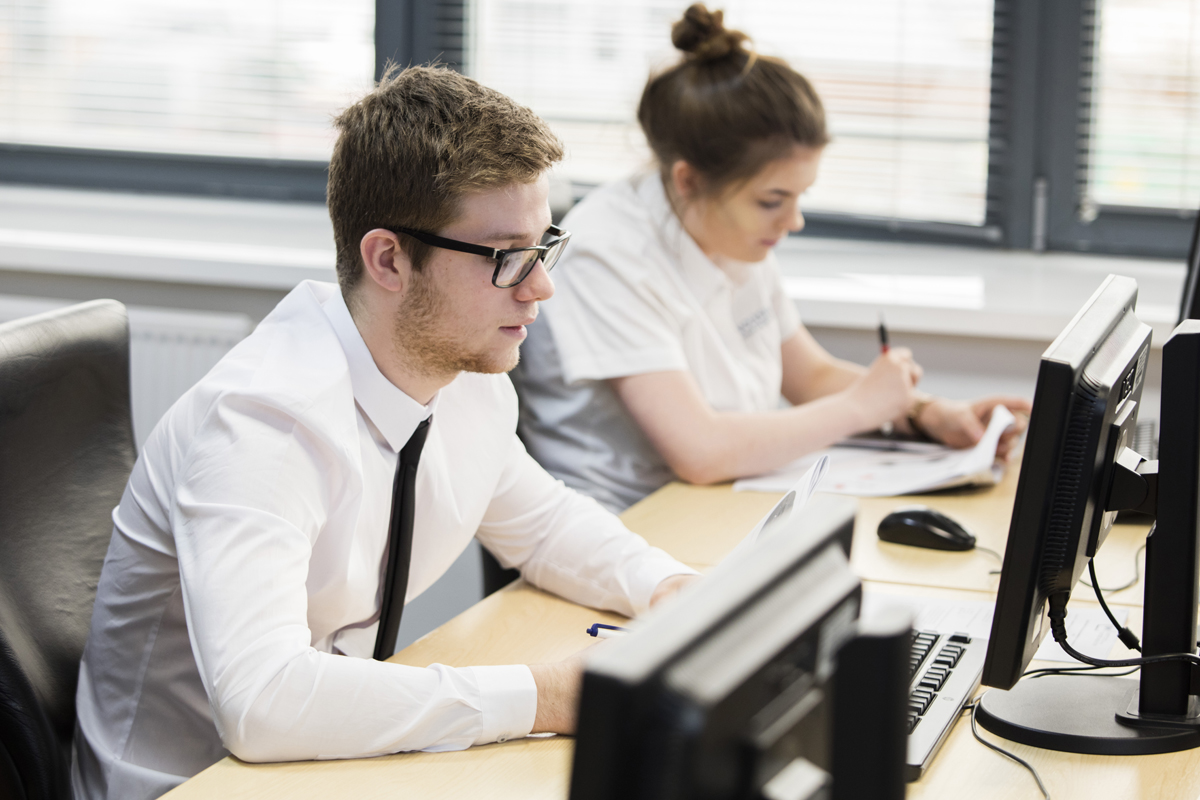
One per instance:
(724, 109)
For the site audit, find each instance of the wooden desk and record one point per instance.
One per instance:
(521, 624)
(699, 525)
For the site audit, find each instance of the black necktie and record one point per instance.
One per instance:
(400, 533)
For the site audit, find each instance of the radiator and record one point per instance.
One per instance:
(169, 350)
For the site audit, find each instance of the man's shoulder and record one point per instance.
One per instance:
(292, 364)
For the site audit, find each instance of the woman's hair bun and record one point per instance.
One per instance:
(702, 34)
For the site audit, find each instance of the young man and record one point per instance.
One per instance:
(240, 602)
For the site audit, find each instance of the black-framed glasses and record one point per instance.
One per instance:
(512, 266)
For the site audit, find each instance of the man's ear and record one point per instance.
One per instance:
(385, 263)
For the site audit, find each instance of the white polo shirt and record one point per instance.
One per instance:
(635, 294)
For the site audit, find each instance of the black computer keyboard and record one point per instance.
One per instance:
(945, 672)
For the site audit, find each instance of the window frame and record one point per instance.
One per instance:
(406, 32)
(1041, 67)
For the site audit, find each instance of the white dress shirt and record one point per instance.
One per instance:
(634, 294)
(239, 601)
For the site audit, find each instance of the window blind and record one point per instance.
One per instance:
(906, 87)
(253, 78)
(1144, 144)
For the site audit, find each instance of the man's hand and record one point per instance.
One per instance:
(558, 687)
(960, 424)
(559, 684)
(669, 587)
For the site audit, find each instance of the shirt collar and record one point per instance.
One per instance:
(393, 412)
(699, 273)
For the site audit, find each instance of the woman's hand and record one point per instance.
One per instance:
(885, 391)
(961, 424)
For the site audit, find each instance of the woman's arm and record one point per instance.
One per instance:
(809, 371)
(706, 446)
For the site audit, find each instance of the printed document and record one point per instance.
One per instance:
(856, 470)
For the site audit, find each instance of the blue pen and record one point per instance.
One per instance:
(602, 631)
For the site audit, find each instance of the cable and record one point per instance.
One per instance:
(974, 706)
(1127, 637)
(1058, 626)
(1137, 573)
(1084, 671)
(990, 552)
(994, 554)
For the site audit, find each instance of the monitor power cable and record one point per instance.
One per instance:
(1058, 626)
(973, 706)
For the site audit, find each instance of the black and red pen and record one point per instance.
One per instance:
(886, 428)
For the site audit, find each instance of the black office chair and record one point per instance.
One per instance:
(496, 577)
(66, 451)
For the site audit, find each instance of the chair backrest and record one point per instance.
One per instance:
(66, 451)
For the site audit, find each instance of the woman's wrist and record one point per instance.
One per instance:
(922, 402)
(851, 411)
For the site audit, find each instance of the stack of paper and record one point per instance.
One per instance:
(865, 472)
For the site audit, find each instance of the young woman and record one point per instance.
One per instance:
(669, 340)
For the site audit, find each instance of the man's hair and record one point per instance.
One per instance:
(408, 152)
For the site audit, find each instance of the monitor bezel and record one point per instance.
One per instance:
(625, 682)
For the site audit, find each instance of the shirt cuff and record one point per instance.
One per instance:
(653, 568)
(508, 702)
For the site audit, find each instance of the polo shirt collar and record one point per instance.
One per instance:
(393, 412)
(699, 273)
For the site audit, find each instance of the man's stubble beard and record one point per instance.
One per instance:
(431, 351)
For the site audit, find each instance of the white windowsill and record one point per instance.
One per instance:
(963, 291)
(935, 289)
(193, 240)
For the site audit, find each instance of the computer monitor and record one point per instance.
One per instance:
(757, 682)
(1077, 472)
(1189, 304)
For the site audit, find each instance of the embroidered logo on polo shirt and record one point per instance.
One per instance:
(753, 323)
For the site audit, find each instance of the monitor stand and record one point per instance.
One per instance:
(1079, 714)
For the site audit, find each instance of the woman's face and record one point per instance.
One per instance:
(745, 221)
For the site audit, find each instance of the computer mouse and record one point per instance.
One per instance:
(921, 526)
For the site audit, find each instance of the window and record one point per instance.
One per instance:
(1145, 146)
(1066, 125)
(906, 88)
(248, 78)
